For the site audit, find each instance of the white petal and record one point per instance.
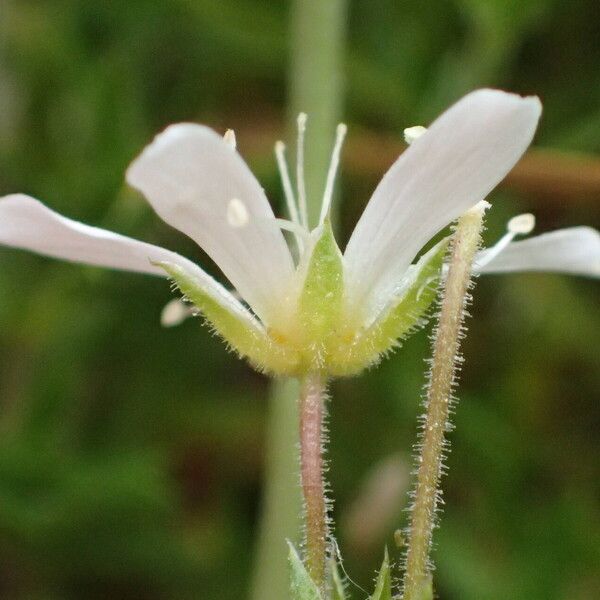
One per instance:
(461, 157)
(575, 250)
(26, 223)
(200, 185)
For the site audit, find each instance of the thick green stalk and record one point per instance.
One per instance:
(315, 87)
(282, 501)
(443, 376)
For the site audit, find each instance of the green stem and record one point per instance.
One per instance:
(282, 500)
(312, 413)
(317, 40)
(316, 83)
(443, 376)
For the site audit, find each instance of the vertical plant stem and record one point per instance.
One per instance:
(312, 412)
(282, 500)
(443, 376)
(316, 82)
(317, 31)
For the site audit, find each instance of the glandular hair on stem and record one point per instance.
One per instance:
(438, 401)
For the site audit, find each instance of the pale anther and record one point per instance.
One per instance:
(521, 224)
(237, 213)
(175, 312)
(413, 133)
(229, 137)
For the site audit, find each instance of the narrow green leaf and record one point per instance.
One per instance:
(383, 587)
(302, 587)
(338, 592)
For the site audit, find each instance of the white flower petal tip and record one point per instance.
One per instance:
(575, 250)
(197, 184)
(175, 312)
(28, 224)
(450, 167)
(413, 133)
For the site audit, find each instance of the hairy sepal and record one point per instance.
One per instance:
(383, 586)
(397, 321)
(249, 340)
(321, 299)
(302, 587)
(338, 590)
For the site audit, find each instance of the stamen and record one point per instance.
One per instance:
(175, 312)
(301, 121)
(519, 225)
(413, 133)
(333, 167)
(295, 228)
(288, 190)
(229, 137)
(237, 213)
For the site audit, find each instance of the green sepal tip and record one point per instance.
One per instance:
(302, 587)
(338, 591)
(398, 320)
(247, 338)
(322, 296)
(383, 586)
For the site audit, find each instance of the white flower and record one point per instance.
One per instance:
(322, 309)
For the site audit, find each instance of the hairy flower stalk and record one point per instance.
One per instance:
(443, 376)
(312, 413)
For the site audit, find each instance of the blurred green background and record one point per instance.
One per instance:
(131, 457)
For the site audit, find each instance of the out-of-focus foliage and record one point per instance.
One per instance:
(131, 456)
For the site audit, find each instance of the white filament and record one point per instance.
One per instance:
(301, 121)
(288, 191)
(295, 228)
(333, 168)
(290, 200)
